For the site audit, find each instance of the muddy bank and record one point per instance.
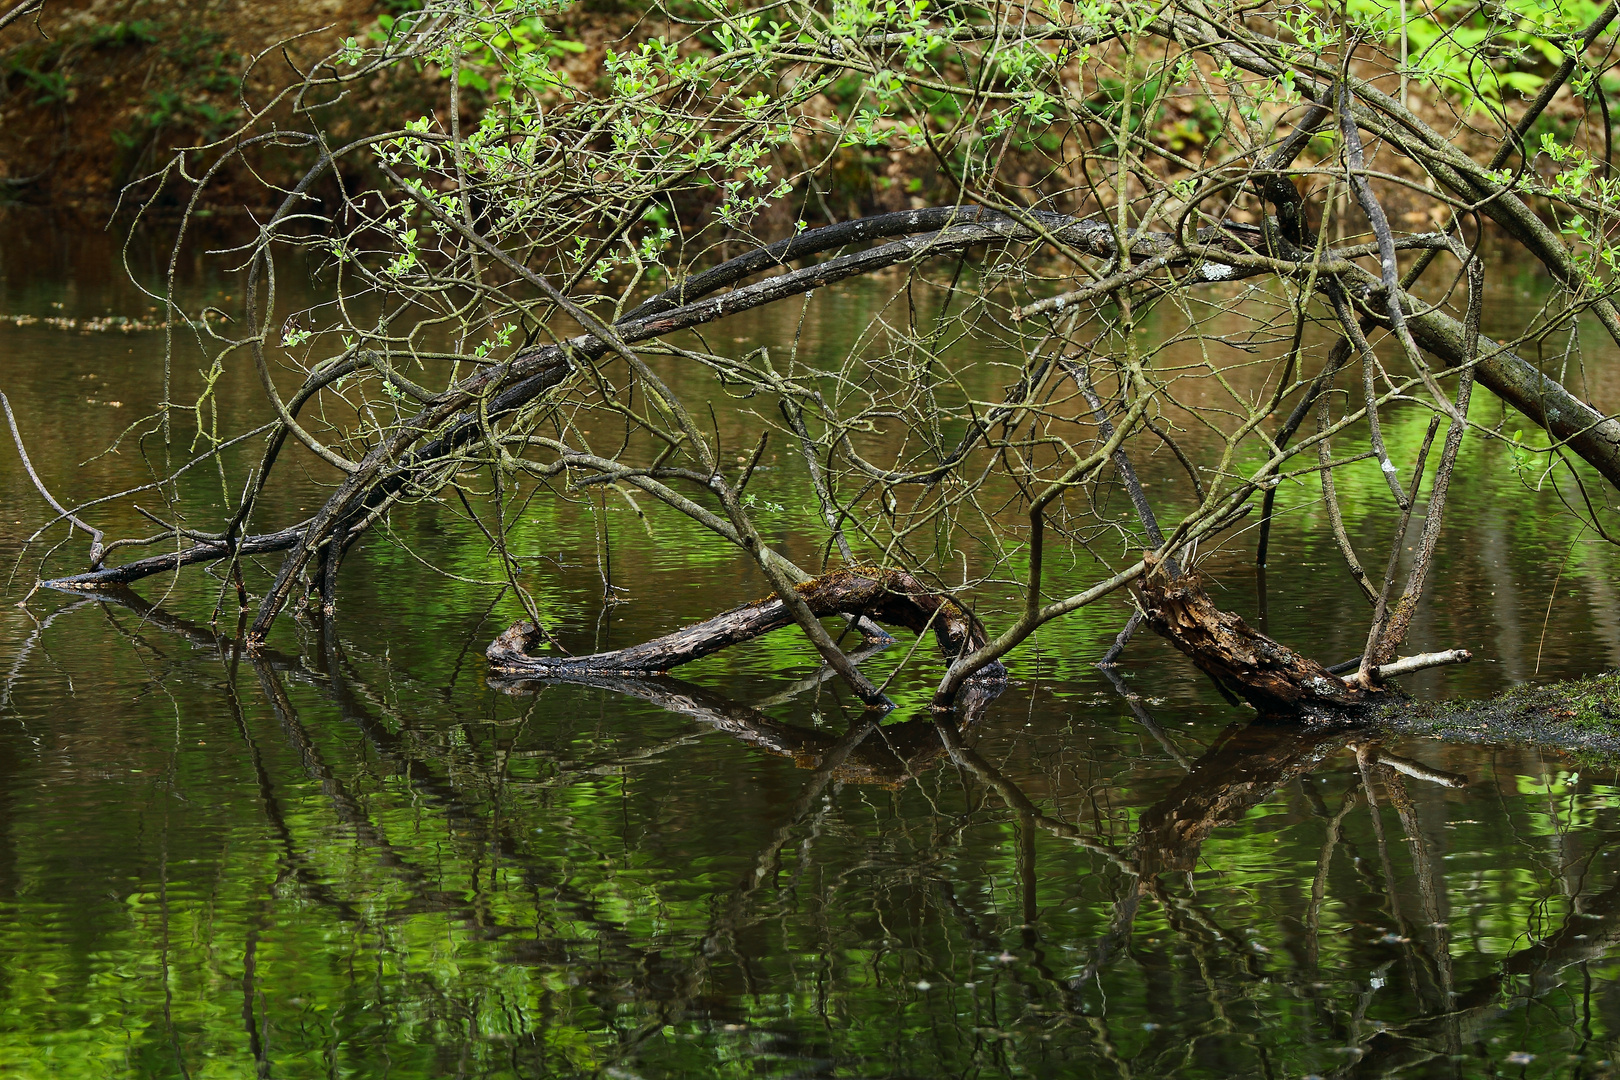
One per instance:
(97, 93)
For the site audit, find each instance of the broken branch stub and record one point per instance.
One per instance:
(887, 596)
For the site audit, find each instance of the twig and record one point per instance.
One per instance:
(1111, 657)
(1434, 516)
(96, 549)
(1331, 498)
(1369, 361)
(1375, 635)
(1553, 595)
(19, 11)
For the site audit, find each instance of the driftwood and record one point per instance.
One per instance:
(886, 596)
(1268, 674)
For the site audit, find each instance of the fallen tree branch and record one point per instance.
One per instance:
(390, 468)
(887, 596)
(1268, 674)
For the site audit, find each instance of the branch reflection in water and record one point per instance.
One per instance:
(929, 896)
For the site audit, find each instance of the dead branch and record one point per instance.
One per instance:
(887, 596)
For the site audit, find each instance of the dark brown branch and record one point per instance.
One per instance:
(390, 467)
(888, 596)
(116, 577)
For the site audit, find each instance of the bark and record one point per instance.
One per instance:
(886, 596)
(1268, 674)
(1592, 435)
(116, 578)
(19, 11)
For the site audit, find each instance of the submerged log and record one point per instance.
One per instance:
(892, 597)
(1268, 674)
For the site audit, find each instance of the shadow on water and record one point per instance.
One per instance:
(422, 893)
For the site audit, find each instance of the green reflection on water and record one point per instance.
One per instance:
(321, 865)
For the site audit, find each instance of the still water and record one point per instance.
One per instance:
(354, 856)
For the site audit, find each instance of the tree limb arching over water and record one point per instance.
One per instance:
(1170, 227)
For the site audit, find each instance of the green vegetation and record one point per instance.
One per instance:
(1484, 55)
(1592, 703)
(208, 72)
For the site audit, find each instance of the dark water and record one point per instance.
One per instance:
(353, 856)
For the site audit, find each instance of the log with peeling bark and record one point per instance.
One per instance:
(891, 597)
(1268, 674)
(1273, 678)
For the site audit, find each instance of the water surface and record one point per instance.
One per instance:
(354, 856)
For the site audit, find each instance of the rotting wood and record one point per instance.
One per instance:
(1273, 678)
(1268, 674)
(892, 597)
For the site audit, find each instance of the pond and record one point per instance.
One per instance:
(353, 855)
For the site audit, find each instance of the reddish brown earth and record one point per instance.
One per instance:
(95, 94)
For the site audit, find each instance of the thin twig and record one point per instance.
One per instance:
(96, 551)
